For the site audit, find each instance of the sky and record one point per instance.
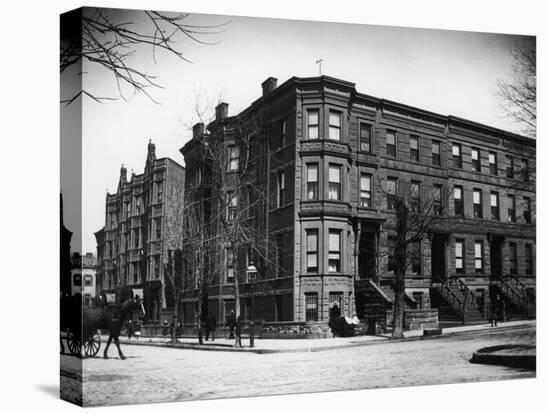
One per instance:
(447, 72)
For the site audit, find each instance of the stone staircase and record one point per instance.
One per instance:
(457, 304)
(520, 302)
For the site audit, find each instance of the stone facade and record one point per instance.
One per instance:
(337, 151)
(139, 230)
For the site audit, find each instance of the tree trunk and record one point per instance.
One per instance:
(400, 255)
(198, 314)
(237, 295)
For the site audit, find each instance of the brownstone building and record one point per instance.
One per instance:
(132, 248)
(329, 160)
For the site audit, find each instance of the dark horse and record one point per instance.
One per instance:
(112, 318)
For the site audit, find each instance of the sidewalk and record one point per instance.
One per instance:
(265, 346)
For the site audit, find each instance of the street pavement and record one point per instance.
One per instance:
(159, 373)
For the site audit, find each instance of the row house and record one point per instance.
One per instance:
(331, 162)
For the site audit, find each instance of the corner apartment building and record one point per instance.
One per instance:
(329, 160)
(141, 226)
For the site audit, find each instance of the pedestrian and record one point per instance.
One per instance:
(238, 343)
(231, 324)
(165, 328)
(173, 327)
(210, 326)
(334, 322)
(495, 305)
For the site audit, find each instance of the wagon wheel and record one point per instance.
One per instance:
(92, 344)
(73, 343)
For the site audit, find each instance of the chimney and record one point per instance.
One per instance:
(198, 130)
(123, 173)
(269, 85)
(221, 111)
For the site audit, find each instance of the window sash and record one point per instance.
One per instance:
(334, 126)
(456, 150)
(365, 133)
(313, 123)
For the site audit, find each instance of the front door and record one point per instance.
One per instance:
(496, 257)
(438, 258)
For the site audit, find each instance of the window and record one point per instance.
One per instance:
(493, 163)
(334, 125)
(135, 272)
(416, 258)
(459, 201)
(524, 170)
(136, 238)
(366, 194)
(478, 256)
(312, 183)
(157, 267)
(280, 254)
(312, 247)
(390, 144)
(476, 163)
(158, 228)
(229, 274)
(415, 196)
(413, 144)
(478, 206)
(282, 143)
(138, 205)
(365, 137)
(437, 196)
(77, 280)
(436, 153)
(232, 206)
(529, 259)
(509, 166)
(234, 155)
(196, 177)
(312, 299)
(495, 214)
(159, 192)
(391, 253)
(334, 247)
(457, 155)
(511, 208)
(313, 124)
(459, 256)
(417, 296)
(513, 259)
(336, 297)
(391, 193)
(527, 209)
(334, 182)
(281, 189)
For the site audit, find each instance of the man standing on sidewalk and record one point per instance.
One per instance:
(231, 324)
(210, 325)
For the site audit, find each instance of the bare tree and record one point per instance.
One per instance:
(517, 98)
(228, 187)
(417, 210)
(113, 39)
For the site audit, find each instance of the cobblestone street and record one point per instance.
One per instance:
(154, 374)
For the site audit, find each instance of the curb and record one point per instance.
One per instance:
(491, 356)
(382, 339)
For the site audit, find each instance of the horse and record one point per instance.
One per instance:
(112, 318)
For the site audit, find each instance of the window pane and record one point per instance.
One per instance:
(477, 197)
(334, 133)
(334, 174)
(311, 241)
(392, 186)
(311, 260)
(475, 154)
(365, 182)
(456, 150)
(478, 250)
(334, 119)
(390, 138)
(334, 242)
(415, 190)
(458, 193)
(493, 200)
(435, 147)
(414, 142)
(312, 173)
(313, 132)
(313, 117)
(491, 158)
(458, 249)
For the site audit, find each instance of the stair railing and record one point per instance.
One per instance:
(454, 301)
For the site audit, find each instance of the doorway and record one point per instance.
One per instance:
(496, 257)
(438, 258)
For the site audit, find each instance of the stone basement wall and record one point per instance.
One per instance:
(417, 319)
